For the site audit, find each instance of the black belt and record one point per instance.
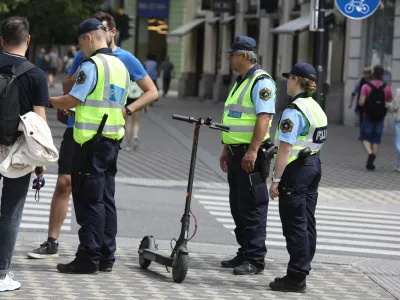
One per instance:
(239, 149)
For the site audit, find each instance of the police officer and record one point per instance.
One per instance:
(101, 88)
(248, 111)
(301, 133)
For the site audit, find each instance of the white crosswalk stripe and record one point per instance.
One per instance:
(342, 230)
(36, 214)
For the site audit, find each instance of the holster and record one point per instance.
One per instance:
(265, 154)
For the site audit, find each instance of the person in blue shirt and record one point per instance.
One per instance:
(302, 131)
(242, 156)
(59, 203)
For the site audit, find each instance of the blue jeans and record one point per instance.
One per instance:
(397, 140)
(12, 204)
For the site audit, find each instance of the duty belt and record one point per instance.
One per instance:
(240, 149)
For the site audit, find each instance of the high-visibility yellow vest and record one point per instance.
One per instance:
(108, 97)
(317, 131)
(240, 114)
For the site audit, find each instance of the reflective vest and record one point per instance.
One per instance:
(317, 131)
(240, 114)
(108, 97)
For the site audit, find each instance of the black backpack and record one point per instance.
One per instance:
(375, 104)
(9, 103)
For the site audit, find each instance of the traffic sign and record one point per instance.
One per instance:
(357, 9)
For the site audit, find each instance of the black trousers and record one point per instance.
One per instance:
(249, 209)
(298, 194)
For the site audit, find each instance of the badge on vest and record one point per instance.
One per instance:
(234, 114)
(320, 134)
(81, 78)
(116, 93)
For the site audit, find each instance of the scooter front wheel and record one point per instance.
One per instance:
(182, 266)
(143, 262)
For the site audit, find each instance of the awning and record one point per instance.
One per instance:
(212, 20)
(186, 28)
(297, 25)
(227, 20)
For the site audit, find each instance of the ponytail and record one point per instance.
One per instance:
(309, 86)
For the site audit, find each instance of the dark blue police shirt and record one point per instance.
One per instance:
(33, 89)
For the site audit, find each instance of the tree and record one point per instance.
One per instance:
(52, 21)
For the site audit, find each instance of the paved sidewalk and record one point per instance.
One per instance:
(205, 280)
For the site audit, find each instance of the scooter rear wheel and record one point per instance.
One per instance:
(180, 271)
(143, 262)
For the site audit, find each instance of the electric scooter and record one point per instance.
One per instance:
(179, 258)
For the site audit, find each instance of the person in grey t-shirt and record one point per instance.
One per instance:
(53, 66)
(167, 67)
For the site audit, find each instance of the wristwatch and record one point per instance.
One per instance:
(277, 180)
(128, 111)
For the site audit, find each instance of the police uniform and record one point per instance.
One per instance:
(250, 96)
(303, 124)
(102, 86)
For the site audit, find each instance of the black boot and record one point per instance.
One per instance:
(232, 263)
(370, 162)
(285, 284)
(74, 268)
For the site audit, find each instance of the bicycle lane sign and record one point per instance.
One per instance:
(357, 9)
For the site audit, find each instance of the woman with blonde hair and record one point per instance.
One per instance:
(301, 132)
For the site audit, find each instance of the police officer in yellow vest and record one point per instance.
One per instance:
(101, 88)
(248, 111)
(302, 131)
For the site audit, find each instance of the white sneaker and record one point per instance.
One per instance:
(398, 169)
(8, 283)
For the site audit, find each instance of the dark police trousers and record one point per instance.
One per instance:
(93, 195)
(297, 201)
(249, 209)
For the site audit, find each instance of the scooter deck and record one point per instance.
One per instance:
(157, 257)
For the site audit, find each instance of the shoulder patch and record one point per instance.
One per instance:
(265, 94)
(286, 126)
(81, 78)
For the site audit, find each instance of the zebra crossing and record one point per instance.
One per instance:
(340, 230)
(36, 214)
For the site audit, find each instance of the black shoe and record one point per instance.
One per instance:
(370, 162)
(232, 263)
(247, 268)
(285, 284)
(46, 250)
(105, 269)
(74, 268)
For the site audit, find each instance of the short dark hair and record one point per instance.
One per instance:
(15, 30)
(103, 16)
(378, 72)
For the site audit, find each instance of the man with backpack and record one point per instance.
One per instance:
(23, 89)
(373, 98)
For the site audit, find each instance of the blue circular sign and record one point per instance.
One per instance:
(357, 9)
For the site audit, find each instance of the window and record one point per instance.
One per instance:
(380, 38)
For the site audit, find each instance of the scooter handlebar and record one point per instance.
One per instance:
(183, 118)
(221, 127)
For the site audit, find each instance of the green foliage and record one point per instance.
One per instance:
(53, 21)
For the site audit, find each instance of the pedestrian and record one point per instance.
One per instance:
(59, 203)
(53, 66)
(301, 133)
(33, 96)
(394, 108)
(101, 88)
(167, 68)
(133, 122)
(248, 111)
(374, 96)
(41, 60)
(152, 68)
(367, 74)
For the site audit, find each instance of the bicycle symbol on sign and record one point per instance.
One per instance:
(359, 5)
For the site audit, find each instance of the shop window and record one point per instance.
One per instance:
(380, 38)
